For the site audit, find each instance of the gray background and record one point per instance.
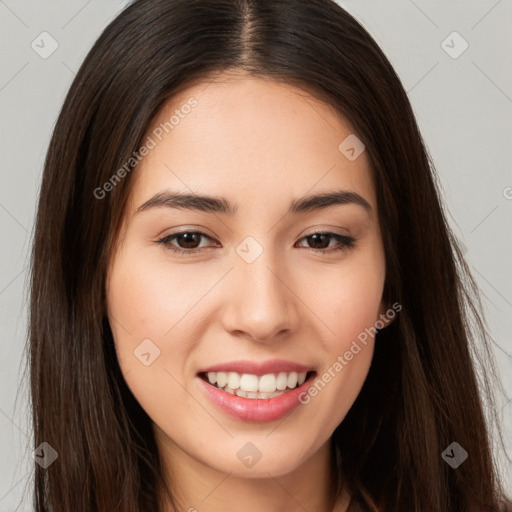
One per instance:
(463, 106)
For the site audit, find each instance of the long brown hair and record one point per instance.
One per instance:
(423, 390)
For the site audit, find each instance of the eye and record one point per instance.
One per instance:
(322, 239)
(189, 242)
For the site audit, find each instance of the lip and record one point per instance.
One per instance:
(258, 368)
(256, 409)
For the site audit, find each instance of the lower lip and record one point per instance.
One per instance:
(256, 409)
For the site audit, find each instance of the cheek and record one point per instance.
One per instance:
(350, 310)
(145, 299)
(147, 310)
(138, 311)
(346, 360)
(148, 298)
(348, 305)
(348, 299)
(155, 309)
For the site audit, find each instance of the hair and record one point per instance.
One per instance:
(427, 381)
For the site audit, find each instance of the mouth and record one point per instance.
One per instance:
(252, 386)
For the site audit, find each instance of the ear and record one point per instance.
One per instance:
(387, 314)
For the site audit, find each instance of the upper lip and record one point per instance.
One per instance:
(258, 368)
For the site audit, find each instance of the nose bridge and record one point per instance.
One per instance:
(261, 305)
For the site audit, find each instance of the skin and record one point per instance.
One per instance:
(259, 144)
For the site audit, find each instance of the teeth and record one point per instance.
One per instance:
(282, 381)
(222, 379)
(269, 395)
(267, 383)
(248, 382)
(292, 380)
(252, 394)
(233, 380)
(248, 385)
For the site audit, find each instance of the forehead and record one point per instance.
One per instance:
(237, 133)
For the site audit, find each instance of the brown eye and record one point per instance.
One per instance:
(186, 241)
(320, 242)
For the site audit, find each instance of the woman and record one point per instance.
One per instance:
(244, 289)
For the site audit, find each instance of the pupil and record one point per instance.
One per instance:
(316, 237)
(189, 239)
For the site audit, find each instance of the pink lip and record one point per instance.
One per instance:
(255, 368)
(256, 409)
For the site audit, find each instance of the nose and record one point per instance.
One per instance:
(261, 306)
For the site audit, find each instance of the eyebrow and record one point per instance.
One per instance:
(215, 204)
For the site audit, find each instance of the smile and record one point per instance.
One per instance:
(255, 392)
(247, 385)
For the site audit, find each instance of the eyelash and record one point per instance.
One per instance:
(346, 243)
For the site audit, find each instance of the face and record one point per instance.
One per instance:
(260, 289)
